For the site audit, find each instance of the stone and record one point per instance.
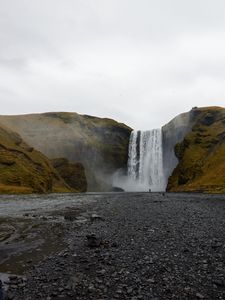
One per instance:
(151, 280)
(91, 288)
(101, 272)
(199, 296)
(93, 241)
(219, 282)
(95, 217)
(13, 277)
(129, 290)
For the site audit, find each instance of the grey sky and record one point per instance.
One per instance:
(137, 61)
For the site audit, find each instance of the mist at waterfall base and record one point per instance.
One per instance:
(145, 163)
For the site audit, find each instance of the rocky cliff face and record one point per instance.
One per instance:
(201, 154)
(101, 145)
(173, 133)
(72, 173)
(25, 170)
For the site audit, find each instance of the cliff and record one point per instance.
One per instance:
(72, 173)
(201, 154)
(100, 144)
(173, 133)
(25, 170)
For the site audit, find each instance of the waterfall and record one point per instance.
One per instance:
(145, 162)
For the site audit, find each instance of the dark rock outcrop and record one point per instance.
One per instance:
(117, 189)
(72, 173)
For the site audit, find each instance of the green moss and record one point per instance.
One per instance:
(201, 155)
(23, 170)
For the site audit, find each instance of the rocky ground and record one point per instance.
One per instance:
(129, 246)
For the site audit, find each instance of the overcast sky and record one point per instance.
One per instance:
(140, 62)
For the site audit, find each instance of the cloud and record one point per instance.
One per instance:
(140, 62)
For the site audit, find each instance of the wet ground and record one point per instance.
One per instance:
(32, 227)
(113, 246)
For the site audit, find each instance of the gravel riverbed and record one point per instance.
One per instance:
(123, 246)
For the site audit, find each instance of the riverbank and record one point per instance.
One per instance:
(119, 246)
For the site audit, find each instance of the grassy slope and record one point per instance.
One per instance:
(100, 144)
(202, 154)
(25, 170)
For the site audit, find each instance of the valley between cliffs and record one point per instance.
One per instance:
(60, 151)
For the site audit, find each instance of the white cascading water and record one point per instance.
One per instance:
(145, 162)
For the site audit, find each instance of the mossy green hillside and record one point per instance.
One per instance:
(25, 170)
(201, 154)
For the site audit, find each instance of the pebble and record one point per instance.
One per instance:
(199, 296)
(219, 282)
